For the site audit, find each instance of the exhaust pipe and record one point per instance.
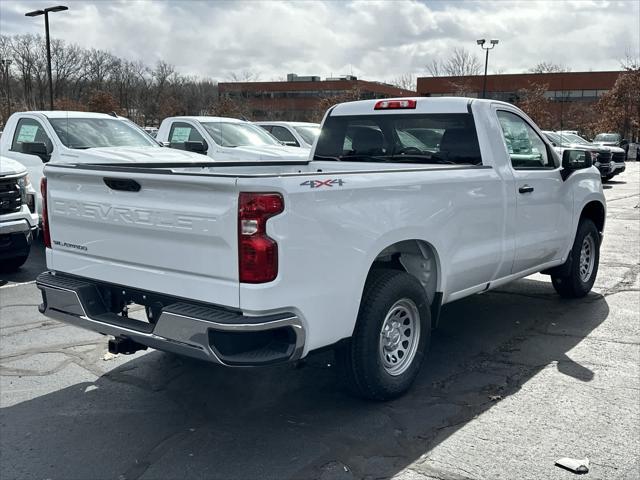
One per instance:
(124, 345)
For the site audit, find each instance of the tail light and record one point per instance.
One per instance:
(45, 214)
(257, 253)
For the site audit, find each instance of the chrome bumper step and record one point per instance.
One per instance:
(206, 332)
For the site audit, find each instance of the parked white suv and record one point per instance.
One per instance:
(293, 134)
(355, 249)
(18, 219)
(225, 139)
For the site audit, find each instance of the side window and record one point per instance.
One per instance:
(284, 136)
(526, 149)
(29, 130)
(182, 132)
(268, 128)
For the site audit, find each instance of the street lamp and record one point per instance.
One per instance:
(492, 43)
(6, 63)
(45, 12)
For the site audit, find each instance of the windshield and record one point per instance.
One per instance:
(309, 133)
(405, 138)
(576, 138)
(228, 134)
(554, 137)
(607, 137)
(83, 133)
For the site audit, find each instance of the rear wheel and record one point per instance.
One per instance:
(578, 279)
(392, 334)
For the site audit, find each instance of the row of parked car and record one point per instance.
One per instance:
(607, 156)
(31, 139)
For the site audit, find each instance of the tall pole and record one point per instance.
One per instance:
(46, 29)
(489, 45)
(45, 12)
(484, 84)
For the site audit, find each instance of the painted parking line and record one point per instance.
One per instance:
(17, 284)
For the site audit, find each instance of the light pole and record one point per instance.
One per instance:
(45, 12)
(482, 43)
(6, 63)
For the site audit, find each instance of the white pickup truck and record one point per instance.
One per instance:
(225, 139)
(356, 249)
(35, 138)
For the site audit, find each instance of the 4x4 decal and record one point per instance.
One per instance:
(323, 183)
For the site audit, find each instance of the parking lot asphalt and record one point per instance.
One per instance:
(516, 378)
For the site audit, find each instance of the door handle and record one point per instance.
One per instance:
(525, 189)
(123, 184)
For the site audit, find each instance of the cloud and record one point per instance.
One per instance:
(374, 40)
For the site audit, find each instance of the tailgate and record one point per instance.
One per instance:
(176, 235)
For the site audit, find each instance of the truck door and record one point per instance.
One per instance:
(30, 131)
(182, 135)
(543, 204)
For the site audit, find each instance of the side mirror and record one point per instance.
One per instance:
(197, 147)
(624, 142)
(573, 160)
(36, 148)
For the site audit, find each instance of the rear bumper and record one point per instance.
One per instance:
(201, 331)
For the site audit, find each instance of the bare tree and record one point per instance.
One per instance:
(533, 102)
(549, 67)
(406, 81)
(434, 67)
(98, 64)
(244, 76)
(631, 60)
(460, 63)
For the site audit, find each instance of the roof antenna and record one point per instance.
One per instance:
(113, 114)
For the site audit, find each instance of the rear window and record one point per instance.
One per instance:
(402, 138)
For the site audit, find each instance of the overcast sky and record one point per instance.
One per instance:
(373, 40)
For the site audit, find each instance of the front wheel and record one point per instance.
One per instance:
(384, 355)
(578, 279)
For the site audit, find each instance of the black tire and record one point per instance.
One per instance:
(13, 264)
(359, 360)
(571, 284)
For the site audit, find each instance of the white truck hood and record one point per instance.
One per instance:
(10, 167)
(611, 148)
(130, 155)
(597, 145)
(268, 152)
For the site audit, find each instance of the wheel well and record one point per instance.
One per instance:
(416, 257)
(595, 212)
